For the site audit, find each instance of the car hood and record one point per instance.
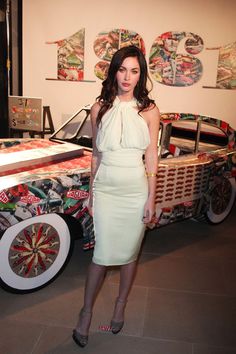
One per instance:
(24, 160)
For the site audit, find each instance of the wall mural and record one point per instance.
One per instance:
(107, 43)
(166, 65)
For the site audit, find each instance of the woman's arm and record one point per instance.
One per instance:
(96, 156)
(152, 117)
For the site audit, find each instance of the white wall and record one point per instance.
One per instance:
(43, 20)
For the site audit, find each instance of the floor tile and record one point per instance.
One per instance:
(49, 307)
(229, 274)
(200, 349)
(58, 341)
(190, 317)
(18, 339)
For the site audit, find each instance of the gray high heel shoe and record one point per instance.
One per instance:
(116, 327)
(80, 339)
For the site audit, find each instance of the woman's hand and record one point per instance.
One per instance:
(90, 206)
(90, 210)
(149, 211)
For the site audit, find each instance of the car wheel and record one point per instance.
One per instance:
(34, 252)
(222, 199)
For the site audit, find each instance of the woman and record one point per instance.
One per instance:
(125, 124)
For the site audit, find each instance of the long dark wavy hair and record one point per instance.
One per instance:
(110, 87)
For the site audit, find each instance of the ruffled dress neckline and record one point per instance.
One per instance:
(133, 102)
(122, 128)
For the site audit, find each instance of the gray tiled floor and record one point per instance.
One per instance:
(183, 300)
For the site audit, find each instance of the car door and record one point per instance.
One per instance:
(184, 174)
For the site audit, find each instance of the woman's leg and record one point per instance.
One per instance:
(95, 277)
(127, 275)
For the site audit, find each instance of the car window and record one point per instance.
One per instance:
(211, 138)
(77, 129)
(84, 135)
(160, 134)
(70, 129)
(183, 137)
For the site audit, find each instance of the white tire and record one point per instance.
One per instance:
(34, 252)
(222, 199)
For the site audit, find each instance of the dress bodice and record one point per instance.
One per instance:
(122, 128)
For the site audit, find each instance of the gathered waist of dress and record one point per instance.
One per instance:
(123, 158)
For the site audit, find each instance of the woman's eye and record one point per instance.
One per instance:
(121, 70)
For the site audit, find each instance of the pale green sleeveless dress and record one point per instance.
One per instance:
(120, 186)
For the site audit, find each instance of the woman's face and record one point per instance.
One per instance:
(128, 75)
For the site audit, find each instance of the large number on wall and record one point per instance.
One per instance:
(166, 65)
(108, 42)
(226, 68)
(70, 57)
(169, 67)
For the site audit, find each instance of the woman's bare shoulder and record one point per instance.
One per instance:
(151, 112)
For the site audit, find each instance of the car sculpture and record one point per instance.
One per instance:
(44, 189)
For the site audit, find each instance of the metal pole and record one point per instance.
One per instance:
(8, 43)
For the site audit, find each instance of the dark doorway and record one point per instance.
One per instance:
(4, 129)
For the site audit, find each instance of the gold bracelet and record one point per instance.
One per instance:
(151, 174)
